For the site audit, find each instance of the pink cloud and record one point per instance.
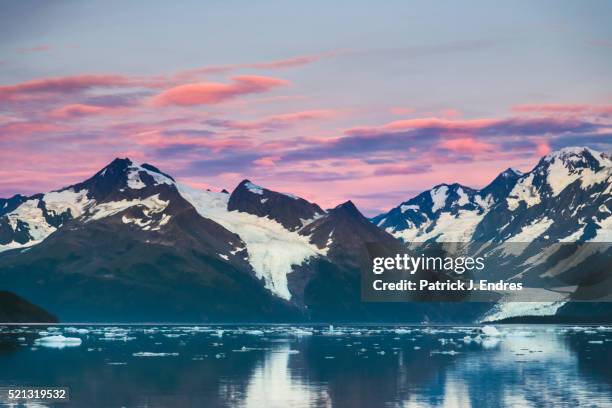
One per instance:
(158, 140)
(543, 148)
(421, 123)
(79, 110)
(466, 145)
(281, 121)
(23, 128)
(266, 161)
(209, 93)
(66, 84)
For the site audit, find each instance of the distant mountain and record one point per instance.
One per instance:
(566, 197)
(133, 244)
(14, 309)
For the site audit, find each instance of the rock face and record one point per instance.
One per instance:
(132, 244)
(14, 309)
(288, 210)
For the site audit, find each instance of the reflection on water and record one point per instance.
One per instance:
(284, 366)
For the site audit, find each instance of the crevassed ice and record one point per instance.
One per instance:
(153, 204)
(61, 201)
(273, 250)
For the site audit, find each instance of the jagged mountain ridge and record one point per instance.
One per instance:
(133, 229)
(283, 257)
(565, 196)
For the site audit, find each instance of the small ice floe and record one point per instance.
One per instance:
(301, 332)
(58, 341)
(76, 330)
(448, 352)
(416, 348)
(116, 363)
(490, 331)
(220, 355)
(329, 357)
(595, 341)
(402, 331)
(150, 354)
(254, 332)
(218, 333)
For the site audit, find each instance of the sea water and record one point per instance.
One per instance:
(311, 366)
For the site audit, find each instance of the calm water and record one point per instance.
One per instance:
(283, 366)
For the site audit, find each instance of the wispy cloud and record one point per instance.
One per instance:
(211, 93)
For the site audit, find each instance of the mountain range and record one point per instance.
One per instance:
(133, 244)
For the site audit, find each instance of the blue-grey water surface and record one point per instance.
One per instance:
(319, 366)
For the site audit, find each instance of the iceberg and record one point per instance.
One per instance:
(58, 341)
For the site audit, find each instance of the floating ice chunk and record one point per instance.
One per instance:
(255, 332)
(302, 332)
(76, 330)
(595, 341)
(149, 354)
(490, 331)
(58, 341)
(490, 342)
(449, 352)
(402, 331)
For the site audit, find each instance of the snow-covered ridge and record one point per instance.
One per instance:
(448, 213)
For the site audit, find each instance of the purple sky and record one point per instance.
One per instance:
(363, 101)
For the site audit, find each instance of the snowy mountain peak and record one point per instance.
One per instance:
(578, 157)
(291, 211)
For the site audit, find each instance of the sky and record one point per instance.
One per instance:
(369, 101)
